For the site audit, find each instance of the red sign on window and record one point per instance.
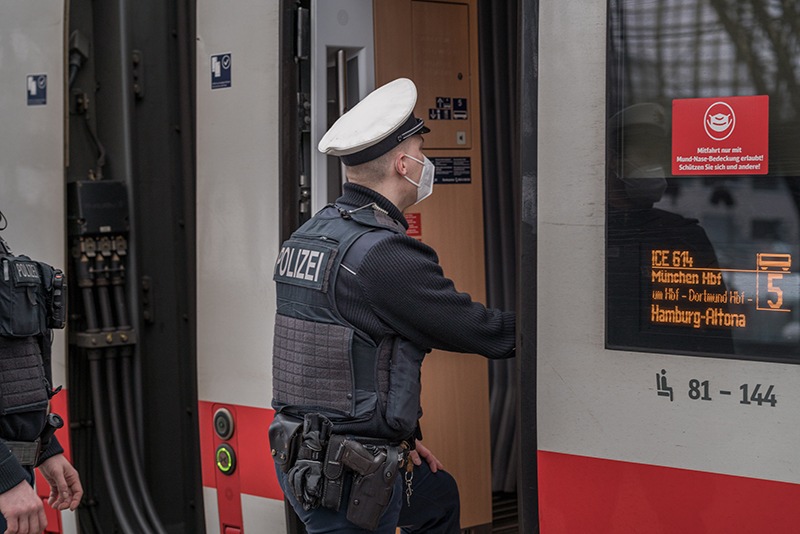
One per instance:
(720, 135)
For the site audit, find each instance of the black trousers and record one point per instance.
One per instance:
(434, 508)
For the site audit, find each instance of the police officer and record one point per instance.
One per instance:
(359, 305)
(26, 428)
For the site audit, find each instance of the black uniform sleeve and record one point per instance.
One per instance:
(53, 448)
(11, 472)
(405, 287)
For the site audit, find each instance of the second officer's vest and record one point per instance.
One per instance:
(32, 301)
(322, 363)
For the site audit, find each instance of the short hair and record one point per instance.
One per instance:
(374, 171)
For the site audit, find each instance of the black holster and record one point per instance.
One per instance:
(375, 470)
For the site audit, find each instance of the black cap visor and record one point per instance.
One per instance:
(412, 126)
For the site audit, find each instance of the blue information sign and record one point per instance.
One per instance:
(221, 71)
(36, 88)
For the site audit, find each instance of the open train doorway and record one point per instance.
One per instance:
(462, 55)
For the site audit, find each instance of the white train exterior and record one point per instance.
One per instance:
(602, 447)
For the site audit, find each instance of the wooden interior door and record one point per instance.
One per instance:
(435, 44)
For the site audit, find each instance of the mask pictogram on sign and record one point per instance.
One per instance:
(719, 121)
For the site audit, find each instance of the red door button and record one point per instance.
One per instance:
(232, 530)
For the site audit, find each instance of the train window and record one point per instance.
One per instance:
(703, 178)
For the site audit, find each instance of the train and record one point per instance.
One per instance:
(622, 174)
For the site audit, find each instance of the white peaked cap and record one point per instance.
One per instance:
(643, 114)
(377, 124)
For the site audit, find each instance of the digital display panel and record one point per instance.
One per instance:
(703, 194)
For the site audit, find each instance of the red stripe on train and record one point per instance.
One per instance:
(58, 405)
(254, 462)
(592, 495)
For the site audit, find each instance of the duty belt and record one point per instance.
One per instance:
(316, 462)
(26, 452)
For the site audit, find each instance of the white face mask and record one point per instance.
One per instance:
(425, 185)
(645, 185)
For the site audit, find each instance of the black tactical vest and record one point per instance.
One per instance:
(322, 363)
(32, 301)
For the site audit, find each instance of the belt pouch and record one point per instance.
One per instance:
(333, 471)
(402, 402)
(22, 312)
(305, 477)
(284, 440)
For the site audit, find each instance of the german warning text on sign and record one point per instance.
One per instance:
(720, 135)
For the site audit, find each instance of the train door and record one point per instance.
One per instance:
(441, 57)
(667, 280)
(259, 176)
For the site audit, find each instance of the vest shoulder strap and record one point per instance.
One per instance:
(362, 245)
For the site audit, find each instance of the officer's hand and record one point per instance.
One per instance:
(23, 510)
(65, 484)
(421, 453)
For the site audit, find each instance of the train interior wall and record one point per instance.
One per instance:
(442, 59)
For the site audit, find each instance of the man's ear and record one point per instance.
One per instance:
(400, 164)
